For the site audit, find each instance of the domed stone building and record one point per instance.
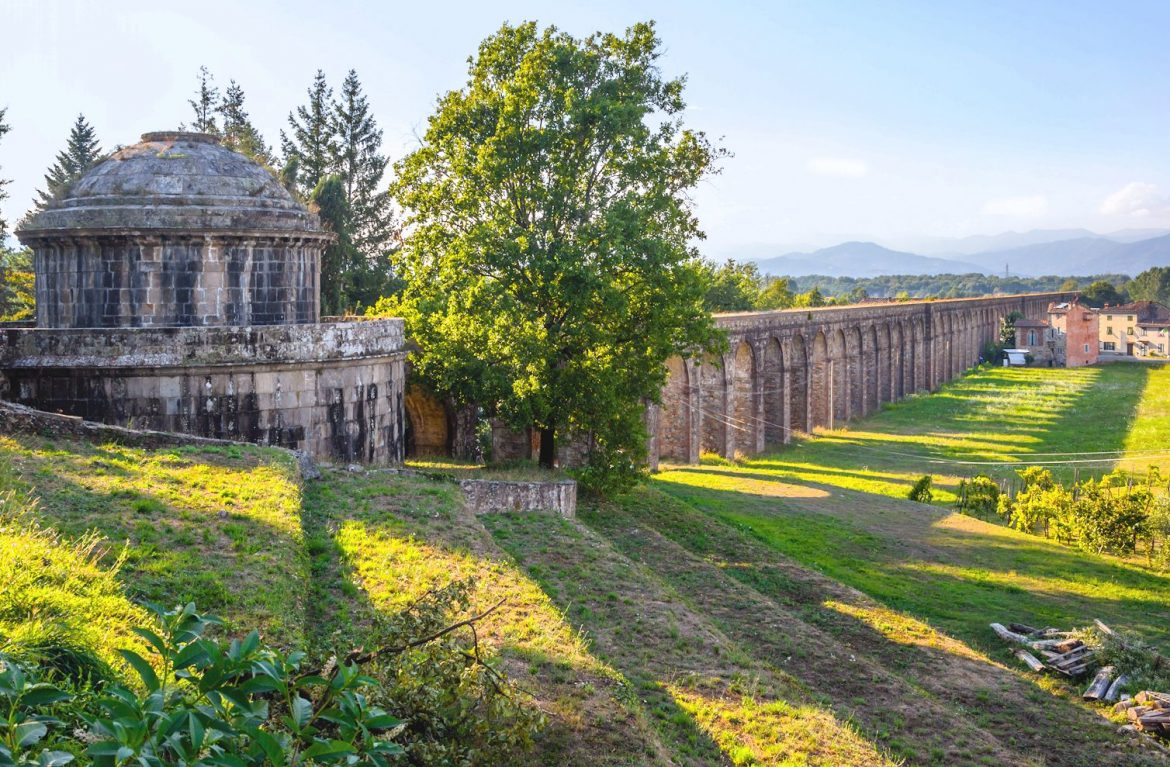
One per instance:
(178, 289)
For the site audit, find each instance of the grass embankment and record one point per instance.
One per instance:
(987, 420)
(792, 609)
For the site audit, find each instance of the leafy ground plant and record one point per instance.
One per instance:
(201, 701)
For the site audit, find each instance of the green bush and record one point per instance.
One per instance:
(921, 491)
(978, 496)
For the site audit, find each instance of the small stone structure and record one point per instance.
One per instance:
(178, 290)
(487, 496)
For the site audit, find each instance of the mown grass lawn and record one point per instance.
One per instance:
(1080, 422)
(837, 502)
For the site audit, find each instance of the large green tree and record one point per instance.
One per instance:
(1151, 285)
(1102, 292)
(550, 270)
(311, 143)
(79, 155)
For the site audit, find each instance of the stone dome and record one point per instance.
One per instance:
(173, 182)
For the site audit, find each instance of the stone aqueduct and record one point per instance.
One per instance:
(791, 371)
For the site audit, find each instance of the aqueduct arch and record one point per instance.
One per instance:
(798, 370)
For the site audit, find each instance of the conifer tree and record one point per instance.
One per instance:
(79, 155)
(4, 128)
(204, 104)
(312, 140)
(361, 165)
(339, 256)
(239, 134)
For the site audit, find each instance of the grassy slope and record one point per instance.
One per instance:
(923, 567)
(714, 617)
(978, 422)
(217, 526)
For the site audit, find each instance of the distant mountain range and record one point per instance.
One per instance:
(1030, 254)
(862, 259)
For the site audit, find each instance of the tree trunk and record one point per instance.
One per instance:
(548, 450)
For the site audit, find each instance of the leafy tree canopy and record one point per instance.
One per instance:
(732, 286)
(1151, 285)
(1102, 292)
(550, 270)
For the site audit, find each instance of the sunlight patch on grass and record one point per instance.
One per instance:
(219, 526)
(754, 730)
(902, 628)
(1081, 586)
(395, 568)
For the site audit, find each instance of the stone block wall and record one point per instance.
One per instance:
(334, 391)
(178, 280)
(485, 496)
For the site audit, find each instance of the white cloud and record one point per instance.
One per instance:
(1018, 207)
(841, 167)
(1137, 199)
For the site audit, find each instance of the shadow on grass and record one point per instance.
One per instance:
(955, 571)
(1014, 708)
(1052, 411)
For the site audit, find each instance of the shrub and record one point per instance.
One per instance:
(978, 496)
(921, 491)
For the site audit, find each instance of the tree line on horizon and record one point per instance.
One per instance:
(740, 286)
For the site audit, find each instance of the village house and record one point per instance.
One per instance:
(1067, 338)
(1138, 329)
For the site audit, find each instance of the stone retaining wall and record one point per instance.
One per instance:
(486, 496)
(334, 391)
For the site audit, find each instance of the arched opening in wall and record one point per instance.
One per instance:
(952, 349)
(674, 419)
(886, 379)
(855, 363)
(427, 431)
(818, 386)
(713, 406)
(939, 357)
(798, 382)
(914, 375)
(839, 375)
(898, 362)
(743, 412)
(775, 394)
(873, 362)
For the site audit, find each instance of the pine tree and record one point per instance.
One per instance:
(339, 256)
(79, 155)
(204, 104)
(312, 143)
(239, 134)
(4, 128)
(361, 165)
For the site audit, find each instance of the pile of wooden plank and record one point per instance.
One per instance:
(1148, 711)
(1059, 650)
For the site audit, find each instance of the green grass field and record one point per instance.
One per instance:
(790, 609)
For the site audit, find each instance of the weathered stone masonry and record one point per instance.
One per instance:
(178, 290)
(795, 370)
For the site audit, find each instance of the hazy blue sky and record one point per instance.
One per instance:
(847, 119)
